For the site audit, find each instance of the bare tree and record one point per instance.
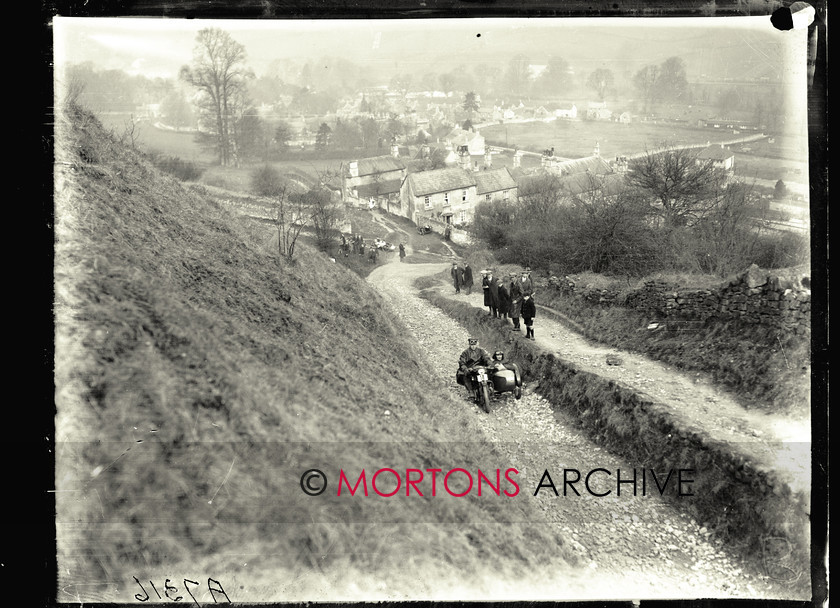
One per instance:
(541, 197)
(218, 72)
(289, 211)
(684, 188)
(646, 81)
(600, 81)
(130, 132)
(324, 209)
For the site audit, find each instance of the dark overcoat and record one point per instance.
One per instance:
(494, 293)
(468, 278)
(529, 309)
(504, 299)
(515, 299)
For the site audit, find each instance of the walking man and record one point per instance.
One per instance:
(455, 273)
(468, 278)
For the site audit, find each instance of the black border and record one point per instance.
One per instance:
(46, 564)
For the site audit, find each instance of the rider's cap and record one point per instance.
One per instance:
(499, 354)
(473, 340)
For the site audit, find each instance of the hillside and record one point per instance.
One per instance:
(198, 376)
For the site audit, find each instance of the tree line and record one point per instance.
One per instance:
(671, 214)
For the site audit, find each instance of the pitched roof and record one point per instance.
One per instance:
(593, 164)
(716, 152)
(440, 180)
(493, 181)
(379, 164)
(388, 186)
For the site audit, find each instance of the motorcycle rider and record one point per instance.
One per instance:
(472, 356)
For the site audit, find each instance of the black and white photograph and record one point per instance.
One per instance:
(478, 308)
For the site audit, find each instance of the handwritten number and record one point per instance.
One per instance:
(177, 598)
(137, 595)
(187, 589)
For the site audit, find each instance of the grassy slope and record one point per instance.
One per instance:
(191, 363)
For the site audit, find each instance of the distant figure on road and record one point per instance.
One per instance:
(402, 252)
(455, 273)
(468, 279)
(515, 301)
(361, 246)
(529, 311)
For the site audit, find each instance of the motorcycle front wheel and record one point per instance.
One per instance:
(485, 399)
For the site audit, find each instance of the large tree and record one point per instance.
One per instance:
(672, 83)
(218, 72)
(555, 80)
(646, 81)
(600, 81)
(517, 77)
(684, 189)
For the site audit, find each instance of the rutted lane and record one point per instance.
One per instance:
(642, 544)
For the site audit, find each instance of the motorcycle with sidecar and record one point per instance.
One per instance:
(490, 382)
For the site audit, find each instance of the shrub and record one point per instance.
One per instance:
(184, 170)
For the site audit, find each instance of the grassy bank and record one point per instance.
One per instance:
(197, 375)
(765, 369)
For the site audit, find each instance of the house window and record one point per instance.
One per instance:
(462, 217)
(428, 202)
(446, 199)
(464, 196)
(505, 194)
(487, 197)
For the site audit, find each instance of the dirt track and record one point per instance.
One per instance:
(633, 546)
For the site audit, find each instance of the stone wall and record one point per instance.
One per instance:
(456, 235)
(780, 300)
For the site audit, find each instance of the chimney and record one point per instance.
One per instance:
(354, 168)
(464, 157)
(395, 150)
(488, 159)
(597, 151)
(517, 159)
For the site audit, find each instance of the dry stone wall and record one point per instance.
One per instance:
(780, 301)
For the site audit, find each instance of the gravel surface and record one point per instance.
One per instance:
(641, 542)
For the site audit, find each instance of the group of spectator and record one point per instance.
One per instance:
(509, 297)
(356, 244)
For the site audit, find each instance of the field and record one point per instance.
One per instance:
(170, 143)
(576, 139)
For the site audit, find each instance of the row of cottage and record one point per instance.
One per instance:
(447, 195)
(395, 183)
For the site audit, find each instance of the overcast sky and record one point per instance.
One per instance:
(729, 46)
